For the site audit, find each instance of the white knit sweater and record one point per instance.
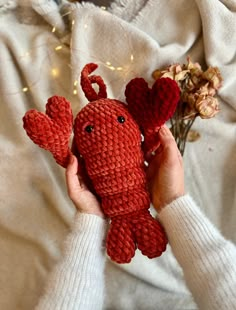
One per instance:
(207, 259)
(77, 282)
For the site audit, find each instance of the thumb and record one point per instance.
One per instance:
(169, 147)
(72, 180)
(165, 136)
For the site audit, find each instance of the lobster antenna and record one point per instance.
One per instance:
(86, 82)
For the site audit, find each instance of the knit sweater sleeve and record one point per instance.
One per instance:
(77, 282)
(207, 258)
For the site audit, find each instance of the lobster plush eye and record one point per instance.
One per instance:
(121, 119)
(89, 128)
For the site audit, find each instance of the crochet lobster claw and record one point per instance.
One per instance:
(52, 130)
(152, 107)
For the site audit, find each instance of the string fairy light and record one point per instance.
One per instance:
(75, 91)
(55, 72)
(51, 48)
(54, 28)
(113, 68)
(59, 47)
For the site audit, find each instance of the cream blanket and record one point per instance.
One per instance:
(43, 47)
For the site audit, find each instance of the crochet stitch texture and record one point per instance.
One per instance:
(107, 143)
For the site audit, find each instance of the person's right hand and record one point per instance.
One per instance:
(83, 199)
(165, 173)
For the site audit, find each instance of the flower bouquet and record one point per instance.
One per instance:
(198, 89)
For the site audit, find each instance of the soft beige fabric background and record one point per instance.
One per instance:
(35, 213)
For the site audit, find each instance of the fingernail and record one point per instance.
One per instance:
(164, 129)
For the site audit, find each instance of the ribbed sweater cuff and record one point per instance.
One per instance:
(207, 258)
(89, 223)
(77, 282)
(185, 222)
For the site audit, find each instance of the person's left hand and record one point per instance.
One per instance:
(78, 192)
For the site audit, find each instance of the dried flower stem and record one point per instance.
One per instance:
(180, 128)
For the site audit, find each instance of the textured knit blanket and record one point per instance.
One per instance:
(43, 47)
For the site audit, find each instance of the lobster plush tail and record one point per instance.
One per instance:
(138, 230)
(120, 242)
(149, 234)
(52, 130)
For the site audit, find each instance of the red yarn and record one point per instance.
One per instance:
(52, 130)
(107, 140)
(134, 230)
(115, 164)
(86, 82)
(151, 108)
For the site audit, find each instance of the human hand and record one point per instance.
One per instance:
(165, 173)
(82, 198)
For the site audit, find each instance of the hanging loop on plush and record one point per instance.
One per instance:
(86, 82)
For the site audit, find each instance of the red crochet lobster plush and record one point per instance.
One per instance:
(108, 145)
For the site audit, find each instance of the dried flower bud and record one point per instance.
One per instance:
(181, 75)
(168, 74)
(188, 84)
(207, 107)
(157, 74)
(211, 91)
(196, 75)
(192, 66)
(174, 72)
(203, 90)
(212, 74)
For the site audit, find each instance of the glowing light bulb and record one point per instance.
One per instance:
(53, 29)
(55, 72)
(132, 57)
(59, 47)
(75, 82)
(75, 92)
(108, 63)
(25, 89)
(103, 8)
(119, 68)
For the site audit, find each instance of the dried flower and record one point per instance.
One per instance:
(212, 74)
(173, 72)
(190, 65)
(198, 89)
(207, 107)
